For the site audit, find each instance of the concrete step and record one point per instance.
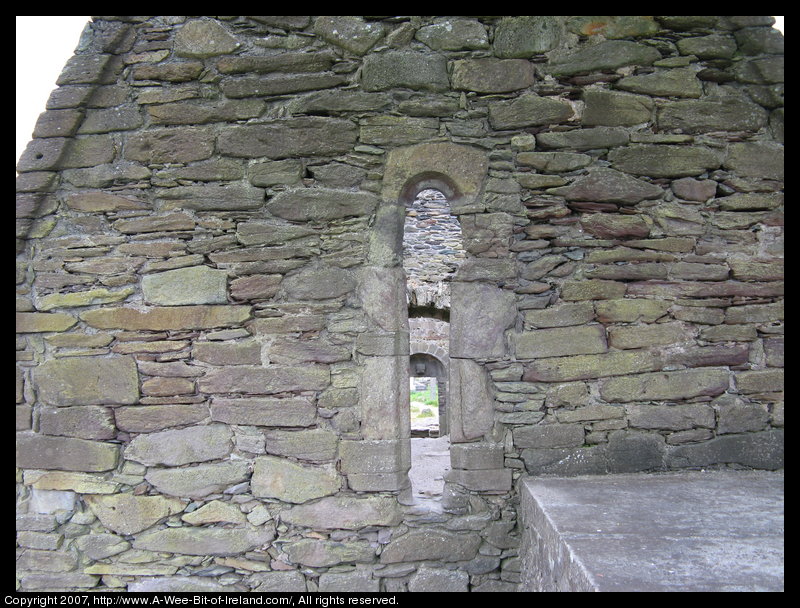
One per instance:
(685, 531)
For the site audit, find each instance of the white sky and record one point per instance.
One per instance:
(43, 46)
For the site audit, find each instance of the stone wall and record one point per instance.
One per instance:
(212, 332)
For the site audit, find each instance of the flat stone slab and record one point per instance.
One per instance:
(686, 531)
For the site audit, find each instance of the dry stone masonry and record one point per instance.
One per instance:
(212, 326)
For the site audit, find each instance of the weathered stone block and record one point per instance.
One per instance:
(612, 109)
(682, 82)
(282, 84)
(760, 381)
(351, 33)
(476, 456)
(85, 422)
(182, 446)
(613, 27)
(345, 512)
(643, 336)
(129, 514)
(265, 380)
(291, 482)
(431, 545)
(664, 160)
(491, 75)
(146, 419)
(683, 384)
(396, 130)
(526, 36)
(734, 415)
(315, 445)
(584, 367)
(481, 314)
(561, 341)
(318, 553)
(609, 186)
(170, 222)
(757, 450)
(481, 480)
(173, 145)
(321, 204)
(278, 172)
(247, 352)
(288, 138)
(195, 285)
(295, 412)
(553, 162)
(670, 417)
(64, 453)
(182, 71)
(592, 289)
(471, 403)
(608, 55)
(630, 452)
(528, 110)
(87, 381)
(723, 114)
(101, 546)
(454, 35)
(167, 318)
(708, 47)
(549, 436)
(205, 541)
(612, 226)
(439, 580)
(38, 322)
(203, 38)
(199, 481)
(383, 394)
(357, 581)
(393, 69)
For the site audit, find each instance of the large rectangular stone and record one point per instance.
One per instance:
(561, 341)
(345, 513)
(481, 314)
(481, 480)
(87, 381)
(167, 318)
(682, 384)
(193, 285)
(373, 457)
(294, 412)
(471, 407)
(39, 322)
(171, 145)
(561, 315)
(384, 397)
(549, 436)
(176, 447)
(265, 380)
(473, 456)
(584, 367)
(64, 453)
(191, 540)
(670, 417)
(288, 138)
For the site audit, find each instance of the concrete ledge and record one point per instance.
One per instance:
(685, 531)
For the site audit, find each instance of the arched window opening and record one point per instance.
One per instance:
(432, 252)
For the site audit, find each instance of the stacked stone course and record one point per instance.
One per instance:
(212, 331)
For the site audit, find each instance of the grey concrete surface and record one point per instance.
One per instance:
(685, 531)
